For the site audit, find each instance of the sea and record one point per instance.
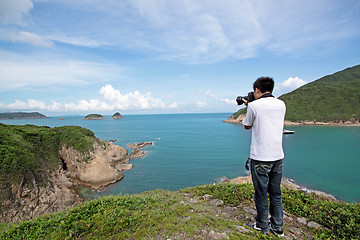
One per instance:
(195, 149)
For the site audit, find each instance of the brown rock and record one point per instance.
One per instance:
(314, 225)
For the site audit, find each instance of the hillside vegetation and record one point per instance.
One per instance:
(333, 98)
(206, 212)
(28, 151)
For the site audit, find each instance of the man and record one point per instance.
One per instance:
(265, 116)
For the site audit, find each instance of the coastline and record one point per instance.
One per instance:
(309, 123)
(106, 165)
(301, 123)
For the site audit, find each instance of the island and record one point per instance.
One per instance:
(21, 115)
(93, 117)
(330, 100)
(117, 115)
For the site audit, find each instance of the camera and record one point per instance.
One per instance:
(249, 98)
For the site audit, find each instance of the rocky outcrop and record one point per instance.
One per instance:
(33, 198)
(97, 168)
(136, 149)
(234, 120)
(53, 191)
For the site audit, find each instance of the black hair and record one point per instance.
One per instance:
(264, 84)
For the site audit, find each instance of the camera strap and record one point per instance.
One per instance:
(266, 95)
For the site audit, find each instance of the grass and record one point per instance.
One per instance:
(183, 214)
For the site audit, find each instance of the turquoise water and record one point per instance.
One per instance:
(195, 149)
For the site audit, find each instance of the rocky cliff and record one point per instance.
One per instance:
(97, 168)
(31, 197)
(55, 190)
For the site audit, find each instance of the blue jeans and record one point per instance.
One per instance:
(266, 177)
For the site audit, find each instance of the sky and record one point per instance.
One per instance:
(163, 56)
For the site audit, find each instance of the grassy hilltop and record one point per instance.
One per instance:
(206, 212)
(333, 98)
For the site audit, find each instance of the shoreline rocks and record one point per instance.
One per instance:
(301, 123)
(136, 149)
(100, 169)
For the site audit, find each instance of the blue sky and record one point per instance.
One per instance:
(163, 56)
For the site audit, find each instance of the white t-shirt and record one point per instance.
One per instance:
(266, 116)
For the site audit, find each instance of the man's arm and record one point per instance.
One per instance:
(246, 103)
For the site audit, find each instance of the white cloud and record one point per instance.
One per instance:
(213, 96)
(201, 104)
(78, 40)
(28, 37)
(292, 83)
(132, 100)
(12, 11)
(113, 100)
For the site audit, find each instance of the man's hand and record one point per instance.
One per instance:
(247, 164)
(245, 101)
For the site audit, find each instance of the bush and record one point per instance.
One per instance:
(341, 219)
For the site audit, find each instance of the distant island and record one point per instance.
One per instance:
(94, 117)
(117, 115)
(330, 100)
(22, 115)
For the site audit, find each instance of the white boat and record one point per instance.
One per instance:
(288, 132)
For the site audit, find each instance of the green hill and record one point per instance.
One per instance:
(333, 98)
